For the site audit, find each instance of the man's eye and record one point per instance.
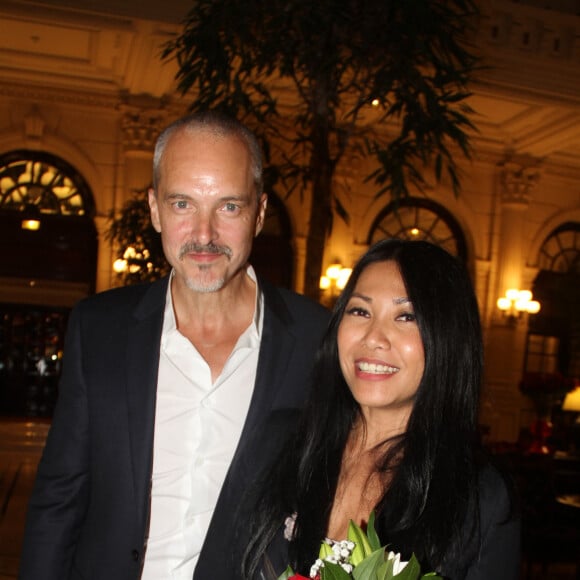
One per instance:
(231, 207)
(181, 204)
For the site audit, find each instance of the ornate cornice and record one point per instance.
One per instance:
(59, 95)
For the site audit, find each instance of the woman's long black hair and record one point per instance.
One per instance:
(433, 485)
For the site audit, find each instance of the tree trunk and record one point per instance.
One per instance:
(322, 168)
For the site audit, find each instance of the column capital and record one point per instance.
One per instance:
(140, 129)
(517, 178)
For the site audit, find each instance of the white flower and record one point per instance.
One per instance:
(289, 524)
(316, 568)
(398, 566)
(341, 552)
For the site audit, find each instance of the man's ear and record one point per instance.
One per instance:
(262, 205)
(154, 209)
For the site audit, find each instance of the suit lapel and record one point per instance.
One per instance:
(143, 344)
(276, 347)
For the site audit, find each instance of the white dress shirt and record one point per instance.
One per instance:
(197, 428)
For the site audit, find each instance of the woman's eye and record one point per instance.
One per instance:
(407, 317)
(356, 311)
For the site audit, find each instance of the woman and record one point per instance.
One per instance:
(391, 425)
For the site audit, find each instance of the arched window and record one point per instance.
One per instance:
(554, 333)
(420, 219)
(561, 250)
(34, 179)
(46, 220)
(48, 243)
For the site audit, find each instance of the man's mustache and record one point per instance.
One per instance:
(193, 247)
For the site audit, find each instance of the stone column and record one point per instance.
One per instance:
(505, 340)
(141, 124)
(140, 129)
(516, 183)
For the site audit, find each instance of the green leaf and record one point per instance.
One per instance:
(362, 547)
(385, 571)
(411, 571)
(332, 571)
(325, 550)
(369, 567)
(288, 573)
(372, 535)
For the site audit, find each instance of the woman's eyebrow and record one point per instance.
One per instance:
(402, 300)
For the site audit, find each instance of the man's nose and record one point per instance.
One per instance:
(204, 227)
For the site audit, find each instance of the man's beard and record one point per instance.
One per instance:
(200, 285)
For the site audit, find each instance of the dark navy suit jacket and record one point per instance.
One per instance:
(89, 511)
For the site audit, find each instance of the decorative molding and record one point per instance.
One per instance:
(58, 95)
(517, 179)
(141, 129)
(34, 125)
(530, 30)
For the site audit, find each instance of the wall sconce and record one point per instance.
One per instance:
(572, 400)
(517, 302)
(571, 404)
(30, 218)
(334, 280)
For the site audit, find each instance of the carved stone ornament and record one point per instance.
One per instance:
(517, 180)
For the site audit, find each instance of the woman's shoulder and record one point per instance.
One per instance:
(497, 495)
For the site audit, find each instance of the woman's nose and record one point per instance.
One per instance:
(377, 336)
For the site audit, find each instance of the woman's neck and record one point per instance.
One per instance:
(361, 485)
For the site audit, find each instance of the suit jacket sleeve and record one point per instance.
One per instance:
(88, 511)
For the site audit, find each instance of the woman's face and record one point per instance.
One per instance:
(380, 349)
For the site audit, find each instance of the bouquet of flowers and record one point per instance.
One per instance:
(360, 557)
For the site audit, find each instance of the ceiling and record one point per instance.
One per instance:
(527, 96)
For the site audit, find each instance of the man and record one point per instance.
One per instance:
(176, 395)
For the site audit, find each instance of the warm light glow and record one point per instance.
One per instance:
(414, 231)
(343, 277)
(130, 253)
(335, 278)
(512, 294)
(572, 401)
(375, 102)
(31, 225)
(333, 271)
(120, 266)
(515, 302)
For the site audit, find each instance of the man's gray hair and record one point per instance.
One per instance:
(219, 124)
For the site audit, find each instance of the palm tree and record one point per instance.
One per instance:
(304, 74)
